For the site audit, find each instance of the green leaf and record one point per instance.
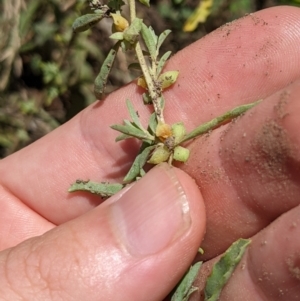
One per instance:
(152, 123)
(220, 120)
(138, 164)
(117, 36)
(131, 130)
(133, 114)
(145, 2)
(185, 287)
(102, 189)
(162, 62)
(162, 38)
(87, 21)
(116, 4)
(150, 40)
(122, 137)
(224, 268)
(101, 79)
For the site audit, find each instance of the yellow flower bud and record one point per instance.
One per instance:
(120, 23)
(160, 154)
(142, 83)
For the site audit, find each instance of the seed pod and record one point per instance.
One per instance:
(181, 153)
(120, 23)
(161, 154)
(168, 78)
(179, 131)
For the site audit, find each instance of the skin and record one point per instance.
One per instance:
(60, 246)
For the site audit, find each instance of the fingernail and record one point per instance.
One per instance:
(153, 213)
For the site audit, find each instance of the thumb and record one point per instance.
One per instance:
(134, 246)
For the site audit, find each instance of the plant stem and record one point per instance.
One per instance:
(155, 94)
(216, 122)
(132, 10)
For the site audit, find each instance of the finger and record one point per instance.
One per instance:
(270, 267)
(135, 246)
(209, 84)
(248, 172)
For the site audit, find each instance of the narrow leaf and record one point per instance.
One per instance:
(102, 189)
(145, 2)
(131, 130)
(224, 268)
(87, 21)
(138, 164)
(220, 120)
(149, 40)
(117, 36)
(133, 114)
(185, 287)
(122, 137)
(152, 124)
(162, 62)
(101, 79)
(162, 38)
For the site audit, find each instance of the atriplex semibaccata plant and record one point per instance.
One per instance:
(160, 141)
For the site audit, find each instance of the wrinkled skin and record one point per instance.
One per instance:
(242, 180)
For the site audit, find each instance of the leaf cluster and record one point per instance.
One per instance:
(42, 68)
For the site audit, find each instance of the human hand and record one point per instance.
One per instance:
(76, 250)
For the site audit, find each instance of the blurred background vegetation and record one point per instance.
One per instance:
(47, 73)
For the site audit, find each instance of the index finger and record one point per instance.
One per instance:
(239, 63)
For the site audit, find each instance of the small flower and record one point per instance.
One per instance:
(163, 131)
